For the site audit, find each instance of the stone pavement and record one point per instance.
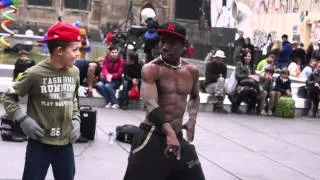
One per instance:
(229, 147)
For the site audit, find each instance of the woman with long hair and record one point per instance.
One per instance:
(248, 84)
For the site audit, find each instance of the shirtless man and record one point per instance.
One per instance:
(158, 151)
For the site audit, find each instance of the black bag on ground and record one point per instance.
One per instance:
(125, 133)
(10, 130)
(88, 122)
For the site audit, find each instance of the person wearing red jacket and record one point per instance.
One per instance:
(111, 77)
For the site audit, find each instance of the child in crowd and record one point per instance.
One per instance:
(22, 64)
(268, 94)
(283, 85)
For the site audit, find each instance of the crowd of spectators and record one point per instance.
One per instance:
(254, 82)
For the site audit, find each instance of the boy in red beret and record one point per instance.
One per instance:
(52, 121)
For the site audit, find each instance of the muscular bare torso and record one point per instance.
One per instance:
(173, 87)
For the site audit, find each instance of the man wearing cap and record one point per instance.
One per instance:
(52, 121)
(215, 74)
(159, 151)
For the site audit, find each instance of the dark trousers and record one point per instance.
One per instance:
(108, 90)
(123, 96)
(39, 156)
(314, 93)
(147, 160)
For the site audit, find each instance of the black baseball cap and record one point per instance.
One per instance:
(173, 29)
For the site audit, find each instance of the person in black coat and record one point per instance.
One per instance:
(313, 83)
(215, 75)
(132, 76)
(22, 64)
(247, 89)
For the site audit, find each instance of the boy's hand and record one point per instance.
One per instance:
(75, 133)
(288, 92)
(31, 128)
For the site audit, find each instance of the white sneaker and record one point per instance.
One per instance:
(109, 105)
(269, 113)
(115, 106)
(263, 113)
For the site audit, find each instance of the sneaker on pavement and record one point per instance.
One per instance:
(263, 113)
(269, 113)
(109, 105)
(115, 106)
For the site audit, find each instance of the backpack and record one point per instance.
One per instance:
(125, 133)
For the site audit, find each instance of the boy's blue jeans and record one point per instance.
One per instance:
(39, 156)
(108, 91)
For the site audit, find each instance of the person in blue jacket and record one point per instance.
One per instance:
(284, 58)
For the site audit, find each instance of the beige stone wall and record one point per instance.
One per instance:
(283, 23)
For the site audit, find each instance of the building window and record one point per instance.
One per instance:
(40, 2)
(76, 4)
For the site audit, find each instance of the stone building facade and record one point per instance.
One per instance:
(93, 13)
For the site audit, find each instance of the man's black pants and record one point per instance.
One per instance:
(147, 160)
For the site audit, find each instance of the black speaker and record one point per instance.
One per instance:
(188, 9)
(88, 122)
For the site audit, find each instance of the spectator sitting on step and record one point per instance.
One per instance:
(313, 83)
(89, 73)
(247, 89)
(308, 69)
(132, 77)
(268, 93)
(210, 54)
(22, 64)
(295, 67)
(111, 76)
(283, 85)
(215, 75)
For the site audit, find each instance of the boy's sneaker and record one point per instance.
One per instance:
(263, 113)
(109, 105)
(269, 113)
(115, 106)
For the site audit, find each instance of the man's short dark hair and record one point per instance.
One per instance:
(111, 48)
(52, 45)
(284, 36)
